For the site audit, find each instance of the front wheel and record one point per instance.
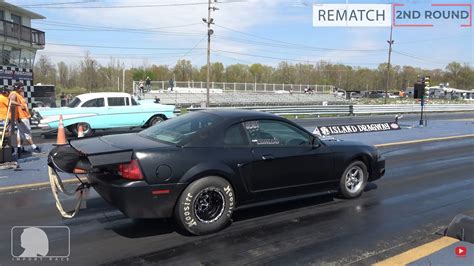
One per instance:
(354, 180)
(205, 206)
(87, 131)
(155, 120)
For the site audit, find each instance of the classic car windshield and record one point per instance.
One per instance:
(74, 102)
(181, 128)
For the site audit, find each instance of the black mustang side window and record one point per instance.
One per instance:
(234, 137)
(181, 128)
(272, 132)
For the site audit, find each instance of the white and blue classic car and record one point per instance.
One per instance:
(104, 110)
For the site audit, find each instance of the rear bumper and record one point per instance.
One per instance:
(378, 169)
(136, 199)
(44, 127)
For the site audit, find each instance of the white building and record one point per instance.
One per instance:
(19, 43)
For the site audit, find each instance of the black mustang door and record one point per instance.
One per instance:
(284, 157)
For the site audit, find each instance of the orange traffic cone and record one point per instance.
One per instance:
(80, 131)
(61, 140)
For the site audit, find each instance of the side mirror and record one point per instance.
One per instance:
(316, 143)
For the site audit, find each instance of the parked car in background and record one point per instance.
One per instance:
(104, 110)
(340, 93)
(376, 94)
(393, 96)
(355, 95)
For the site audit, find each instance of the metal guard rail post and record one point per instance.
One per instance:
(352, 109)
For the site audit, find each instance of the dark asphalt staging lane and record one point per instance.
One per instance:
(425, 186)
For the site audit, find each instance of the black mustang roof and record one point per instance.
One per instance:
(239, 113)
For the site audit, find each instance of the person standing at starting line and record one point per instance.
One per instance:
(4, 111)
(148, 84)
(4, 103)
(21, 108)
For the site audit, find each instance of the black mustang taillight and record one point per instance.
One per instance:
(130, 170)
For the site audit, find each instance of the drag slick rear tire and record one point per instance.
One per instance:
(205, 206)
(353, 180)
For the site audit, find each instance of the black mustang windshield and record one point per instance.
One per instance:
(180, 129)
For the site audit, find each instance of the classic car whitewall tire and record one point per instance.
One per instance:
(155, 120)
(87, 130)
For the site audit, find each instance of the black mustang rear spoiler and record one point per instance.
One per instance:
(97, 160)
(101, 153)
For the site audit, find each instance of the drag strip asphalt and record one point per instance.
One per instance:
(75, 180)
(425, 186)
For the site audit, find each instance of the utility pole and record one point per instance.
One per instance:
(123, 80)
(209, 21)
(390, 43)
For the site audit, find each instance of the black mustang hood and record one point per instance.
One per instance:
(350, 146)
(341, 143)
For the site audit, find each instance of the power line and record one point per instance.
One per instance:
(176, 33)
(233, 58)
(272, 45)
(418, 58)
(441, 38)
(118, 47)
(190, 50)
(319, 70)
(117, 54)
(60, 3)
(68, 55)
(299, 45)
(82, 27)
(285, 59)
(86, 26)
(128, 6)
(299, 52)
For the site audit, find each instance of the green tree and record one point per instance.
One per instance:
(89, 72)
(63, 75)
(45, 71)
(183, 70)
(237, 73)
(161, 72)
(284, 73)
(217, 72)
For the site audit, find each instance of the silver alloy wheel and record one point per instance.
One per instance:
(209, 205)
(354, 179)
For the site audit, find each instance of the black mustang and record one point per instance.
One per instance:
(201, 166)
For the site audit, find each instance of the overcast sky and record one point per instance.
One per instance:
(246, 31)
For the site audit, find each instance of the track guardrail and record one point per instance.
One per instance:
(352, 109)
